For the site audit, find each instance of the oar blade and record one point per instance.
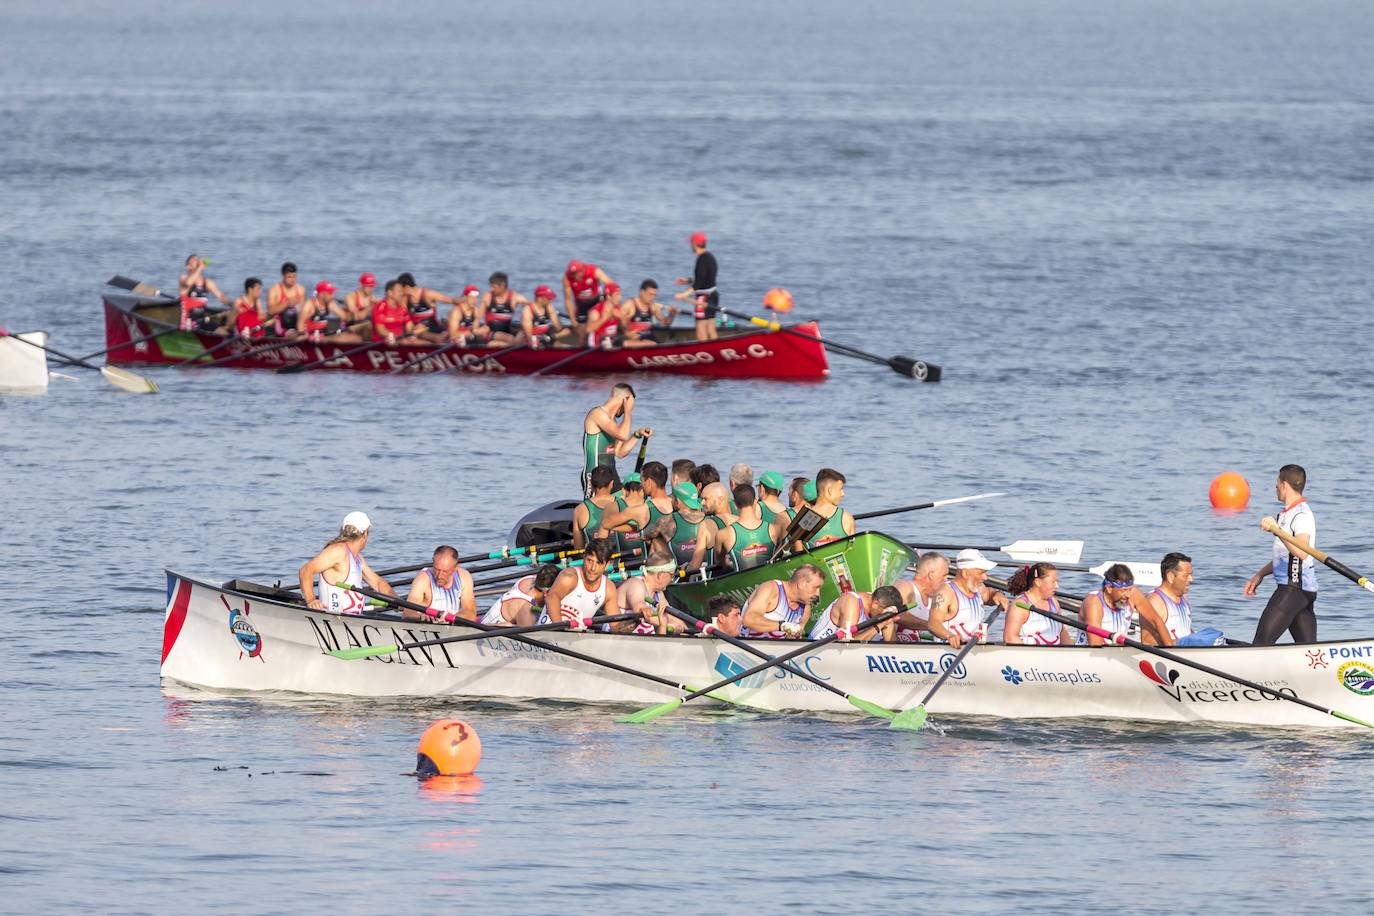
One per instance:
(1349, 718)
(650, 713)
(920, 370)
(1054, 551)
(356, 652)
(873, 709)
(122, 378)
(911, 720)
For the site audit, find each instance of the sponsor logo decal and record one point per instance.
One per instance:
(1011, 675)
(243, 631)
(1357, 677)
(839, 571)
(729, 664)
(1336, 652)
(1074, 678)
(1315, 659)
(895, 664)
(1219, 691)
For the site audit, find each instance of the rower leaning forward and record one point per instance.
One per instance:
(608, 434)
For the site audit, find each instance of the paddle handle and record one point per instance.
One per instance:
(1319, 555)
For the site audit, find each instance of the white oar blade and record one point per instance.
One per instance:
(122, 378)
(1054, 551)
(963, 499)
(1146, 575)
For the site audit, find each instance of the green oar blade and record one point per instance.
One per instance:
(364, 652)
(1341, 715)
(912, 720)
(650, 713)
(873, 709)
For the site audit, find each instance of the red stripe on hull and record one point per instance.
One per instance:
(176, 617)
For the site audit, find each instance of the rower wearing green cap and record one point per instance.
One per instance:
(745, 541)
(608, 433)
(770, 504)
(801, 492)
(638, 514)
(828, 492)
(587, 516)
(688, 534)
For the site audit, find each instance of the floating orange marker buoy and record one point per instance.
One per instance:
(449, 747)
(778, 300)
(1229, 491)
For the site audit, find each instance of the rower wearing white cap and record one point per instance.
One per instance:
(931, 571)
(517, 607)
(852, 608)
(956, 610)
(778, 608)
(580, 593)
(443, 589)
(1034, 585)
(341, 563)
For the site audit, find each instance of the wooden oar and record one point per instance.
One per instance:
(1145, 575)
(356, 652)
(249, 354)
(653, 712)
(564, 361)
(120, 378)
(643, 453)
(1026, 551)
(571, 653)
(914, 719)
(934, 505)
(306, 367)
(497, 355)
(204, 353)
(857, 702)
(136, 287)
(902, 365)
(1121, 639)
(1321, 556)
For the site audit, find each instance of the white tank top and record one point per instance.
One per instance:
(825, 626)
(923, 605)
(496, 614)
(1179, 619)
(340, 600)
(1113, 619)
(969, 618)
(783, 613)
(582, 601)
(1294, 520)
(445, 600)
(1039, 630)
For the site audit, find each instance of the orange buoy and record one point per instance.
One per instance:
(1229, 491)
(778, 300)
(449, 747)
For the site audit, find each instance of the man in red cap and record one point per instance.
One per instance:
(604, 321)
(465, 327)
(701, 288)
(391, 320)
(321, 317)
(358, 305)
(582, 284)
(539, 320)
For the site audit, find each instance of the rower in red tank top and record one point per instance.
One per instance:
(390, 318)
(605, 320)
(582, 284)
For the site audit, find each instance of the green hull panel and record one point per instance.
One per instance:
(180, 345)
(861, 562)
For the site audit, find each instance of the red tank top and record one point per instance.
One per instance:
(585, 285)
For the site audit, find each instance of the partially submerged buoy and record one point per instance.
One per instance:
(449, 747)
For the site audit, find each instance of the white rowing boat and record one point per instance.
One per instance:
(223, 639)
(24, 367)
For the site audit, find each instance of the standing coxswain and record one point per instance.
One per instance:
(701, 288)
(580, 592)
(1292, 606)
(518, 606)
(608, 433)
(340, 564)
(778, 608)
(956, 610)
(444, 589)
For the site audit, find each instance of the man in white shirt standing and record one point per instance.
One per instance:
(1292, 606)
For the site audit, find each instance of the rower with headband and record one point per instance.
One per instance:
(645, 595)
(1114, 607)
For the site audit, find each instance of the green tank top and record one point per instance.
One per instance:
(626, 541)
(752, 548)
(768, 514)
(832, 530)
(684, 539)
(594, 514)
(654, 513)
(596, 450)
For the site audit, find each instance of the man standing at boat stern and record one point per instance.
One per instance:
(1292, 606)
(701, 288)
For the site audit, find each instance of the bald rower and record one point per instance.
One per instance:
(443, 589)
(927, 581)
(778, 608)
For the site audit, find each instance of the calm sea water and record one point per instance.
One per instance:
(1137, 238)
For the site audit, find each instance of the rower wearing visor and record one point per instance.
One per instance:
(956, 610)
(341, 568)
(1114, 607)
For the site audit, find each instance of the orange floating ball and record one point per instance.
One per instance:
(449, 747)
(778, 299)
(1229, 491)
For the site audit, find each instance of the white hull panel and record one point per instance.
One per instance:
(223, 640)
(22, 367)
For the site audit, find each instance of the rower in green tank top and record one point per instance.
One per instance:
(639, 515)
(608, 433)
(769, 496)
(588, 515)
(690, 537)
(829, 492)
(746, 541)
(715, 501)
(630, 536)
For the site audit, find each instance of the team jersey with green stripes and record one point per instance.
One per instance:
(627, 540)
(597, 449)
(832, 530)
(684, 539)
(752, 548)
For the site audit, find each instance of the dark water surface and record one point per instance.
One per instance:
(1136, 236)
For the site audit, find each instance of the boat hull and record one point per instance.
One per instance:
(22, 367)
(226, 640)
(750, 354)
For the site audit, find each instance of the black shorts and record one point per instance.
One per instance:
(708, 310)
(584, 307)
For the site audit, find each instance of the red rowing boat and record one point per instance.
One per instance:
(749, 353)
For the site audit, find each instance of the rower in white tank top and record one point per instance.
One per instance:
(445, 601)
(968, 621)
(1039, 630)
(783, 613)
(340, 600)
(825, 625)
(584, 602)
(1115, 620)
(904, 634)
(1179, 617)
(496, 614)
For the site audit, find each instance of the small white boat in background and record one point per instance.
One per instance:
(24, 367)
